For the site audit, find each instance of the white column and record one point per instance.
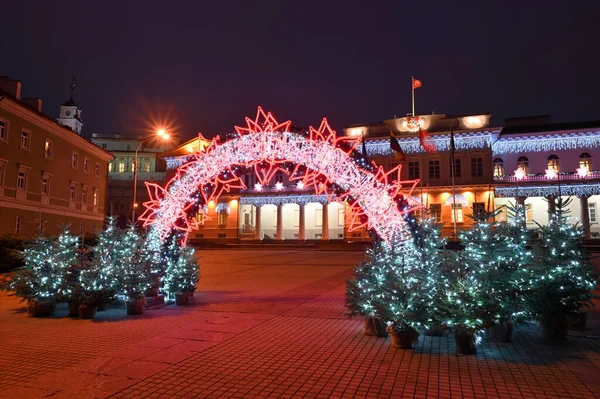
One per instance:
(279, 235)
(257, 224)
(325, 222)
(301, 224)
(585, 215)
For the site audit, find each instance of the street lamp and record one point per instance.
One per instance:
(160, 133)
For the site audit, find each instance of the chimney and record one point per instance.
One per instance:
(11, 87)
(35, 103)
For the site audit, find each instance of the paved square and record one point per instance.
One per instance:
(273, 324)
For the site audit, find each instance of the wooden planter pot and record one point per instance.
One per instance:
(554, 326)
(87, 311)
(435, 331)
(501, 332)
(41, 307)
(465, 342)
(181, 299)
(152, 291)
(135, 307)
(73, 308)
(403, 339)
(375, 327)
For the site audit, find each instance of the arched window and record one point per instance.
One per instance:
(523, 163)
(585, 161)
(498, 167)
(222, 213)
(553, 163)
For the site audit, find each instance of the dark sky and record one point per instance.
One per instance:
(204, 66)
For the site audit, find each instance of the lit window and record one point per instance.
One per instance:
(18, 225)
(585, 161)
(553, 163)
(478, 209)
(25, 136)
(457, 212)
(434, 169)
(86, 165)
(528, 213)
(523, 164)
(222, 218)
(110, 167)
(95, 199)
(476, 167)
(48, 149)
(97, 170)
(501, 213)
(121, 167)
(318, 217)
(436, 212)
(413, 170)
(146, 167)
(21, 180)
(45, 185)
(340, 217)
(3, 130)
(593, 214)
(74, 160)
(498, 167)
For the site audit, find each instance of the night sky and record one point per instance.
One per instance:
(204, 66)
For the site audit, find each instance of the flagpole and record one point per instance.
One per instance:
(452, 169)
(412, 85)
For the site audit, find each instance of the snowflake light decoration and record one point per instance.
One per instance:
(321, 159)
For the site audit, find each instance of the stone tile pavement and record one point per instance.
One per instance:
(272, 324)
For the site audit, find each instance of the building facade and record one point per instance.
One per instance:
(536, 161)
(50, 176)
(121, 170)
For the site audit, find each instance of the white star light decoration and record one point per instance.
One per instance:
(267, 145)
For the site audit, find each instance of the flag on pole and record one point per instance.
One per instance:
(416, 83)
(394, 145)
(364, 149)
(426, 142)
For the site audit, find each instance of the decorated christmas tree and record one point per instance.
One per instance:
(131, 266)
(561, 274)
(106, 260)
(182, 273)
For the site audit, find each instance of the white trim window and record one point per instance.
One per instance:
(74, 159)
(95, 197)
(25, 139)
(86, 165)
(3, 130)
(97, 170)
(72, 191)
(84, 196)
(45, 185)
(593, 212)
(21, 180)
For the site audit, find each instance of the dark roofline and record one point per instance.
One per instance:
(550, 127)
(4, 95)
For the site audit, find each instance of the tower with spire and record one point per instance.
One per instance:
(70, 113)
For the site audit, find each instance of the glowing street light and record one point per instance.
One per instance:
(161, 134)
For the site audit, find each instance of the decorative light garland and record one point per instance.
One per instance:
(545, 191)
(412, 145)
(267, 146)
(555, 142)
(283, 199)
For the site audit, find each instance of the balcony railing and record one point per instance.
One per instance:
(540, 177)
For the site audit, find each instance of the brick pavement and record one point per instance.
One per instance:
(272, 324)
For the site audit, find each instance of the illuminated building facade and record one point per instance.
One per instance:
(534, 161)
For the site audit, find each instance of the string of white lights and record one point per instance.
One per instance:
(545, 191)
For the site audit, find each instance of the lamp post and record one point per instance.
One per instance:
(161, 133)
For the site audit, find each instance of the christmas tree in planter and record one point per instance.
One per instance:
(130, 271)
(106, 259)
(182, 273)
(494, 266)
(561, 274)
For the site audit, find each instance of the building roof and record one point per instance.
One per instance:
(185, 149)
(550, 127)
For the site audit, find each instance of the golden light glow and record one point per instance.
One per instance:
(211, 203)
(474, 122)
(355, 131)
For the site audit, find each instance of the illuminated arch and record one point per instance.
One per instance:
(319, 158)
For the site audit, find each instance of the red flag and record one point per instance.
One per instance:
(425, 142)
(394, 145)
(416, 83)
